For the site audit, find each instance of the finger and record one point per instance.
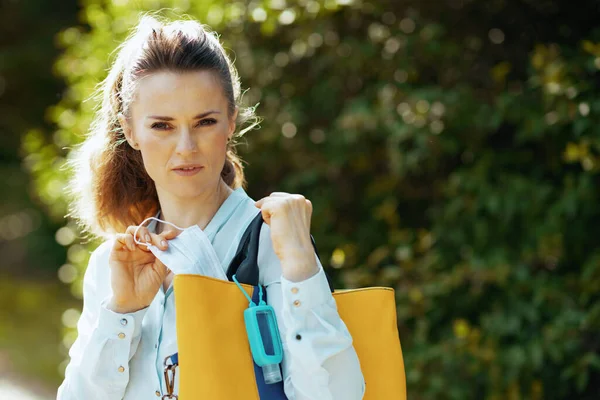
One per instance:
(278, 196)
(121, 242)
(159, 241)
(170, 234)
(266, 200)
(309, 211)
(266, 214)
(272, 195)
(167, 235)
(124, 243)
(129, 242)
(273, 204)
(143, 234)
(140, 240)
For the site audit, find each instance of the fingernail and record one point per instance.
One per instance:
(147, 238)
(163, 242)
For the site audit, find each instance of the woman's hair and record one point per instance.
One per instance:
(110, 187)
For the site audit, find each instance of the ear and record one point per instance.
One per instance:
(232, 123)
(127, 130)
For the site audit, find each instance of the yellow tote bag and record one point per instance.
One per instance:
(215, 362)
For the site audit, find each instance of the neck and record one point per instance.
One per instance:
(200, 211)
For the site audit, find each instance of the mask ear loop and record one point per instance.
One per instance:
(142, 224)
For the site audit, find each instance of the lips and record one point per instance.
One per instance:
(188, 169)
(188, 166)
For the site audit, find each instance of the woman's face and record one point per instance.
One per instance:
(179, 122)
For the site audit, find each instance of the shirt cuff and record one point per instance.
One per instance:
(299, 297)
(120, 326)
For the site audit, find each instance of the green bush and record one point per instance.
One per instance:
(441, 159)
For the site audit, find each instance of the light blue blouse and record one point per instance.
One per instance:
(120, 356)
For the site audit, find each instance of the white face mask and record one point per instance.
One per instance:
(191, 252)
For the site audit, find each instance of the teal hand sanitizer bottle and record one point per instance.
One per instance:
(263, 336)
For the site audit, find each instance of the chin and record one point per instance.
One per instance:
(186, 187)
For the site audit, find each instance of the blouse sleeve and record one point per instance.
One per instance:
(106, 341)
(319, 360)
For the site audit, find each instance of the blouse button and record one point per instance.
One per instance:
(157, 393)
(123, 322)
(298, 337)
(294, 290)
(121, 335)
(297, 303)
(121, 369)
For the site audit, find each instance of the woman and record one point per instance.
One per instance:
(162, 145)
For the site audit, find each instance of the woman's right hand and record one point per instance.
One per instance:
(136, 274)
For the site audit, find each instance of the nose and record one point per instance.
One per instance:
(185, 143)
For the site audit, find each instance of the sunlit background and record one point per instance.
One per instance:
(450, 148)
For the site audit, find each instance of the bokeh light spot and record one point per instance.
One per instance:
(407, 25)
(70, 317)
(65, 236)
(259, 14)
(338, 258)
(496, 36)
(287, 17)
(289, 130)
(67, 273)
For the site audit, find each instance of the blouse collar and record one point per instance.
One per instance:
(222, 215)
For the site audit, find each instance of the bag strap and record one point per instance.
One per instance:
(244, 264)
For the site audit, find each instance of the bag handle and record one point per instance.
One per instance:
(244, 264)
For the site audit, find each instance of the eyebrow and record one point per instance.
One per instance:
(199, 116)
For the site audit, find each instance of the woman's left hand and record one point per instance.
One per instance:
(288, 216)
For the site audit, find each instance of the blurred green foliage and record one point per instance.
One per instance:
(30, 313)
(32, 300)
(450, 149)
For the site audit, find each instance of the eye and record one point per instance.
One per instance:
(161, 126)
(207, 121)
